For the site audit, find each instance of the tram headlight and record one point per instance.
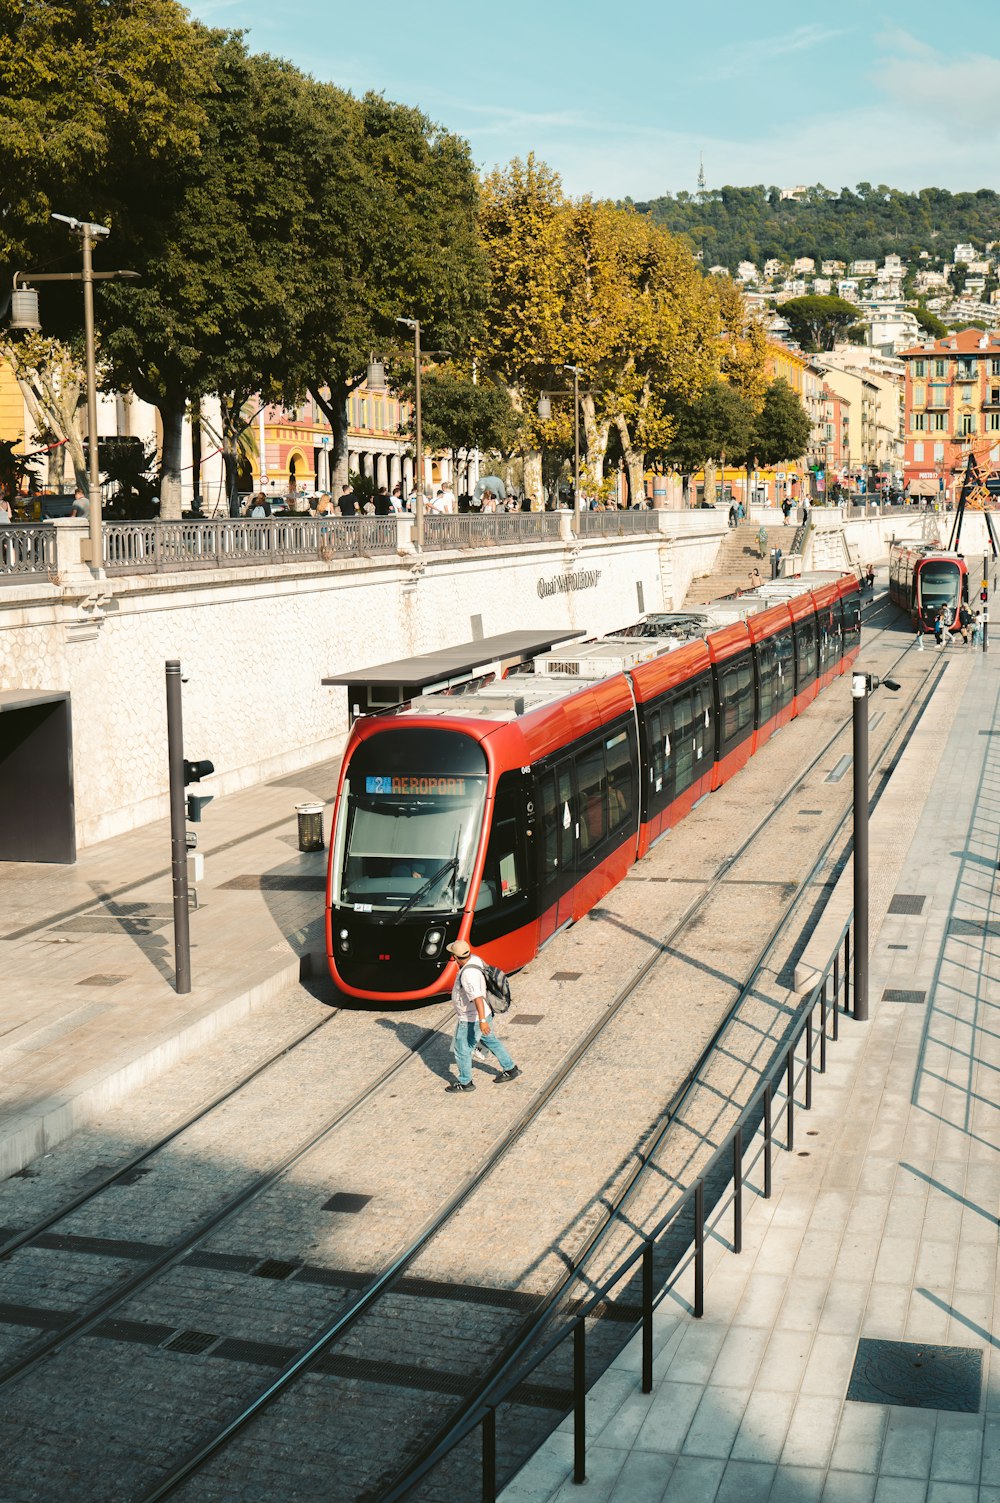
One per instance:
(432, 943)
(344, 942)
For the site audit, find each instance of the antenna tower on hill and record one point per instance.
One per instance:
(701, 172)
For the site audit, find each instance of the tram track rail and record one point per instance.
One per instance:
(311, 1353)
(85, 1321)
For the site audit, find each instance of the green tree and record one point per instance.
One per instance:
(782, 428)
(459, 413)
(818, 322)
(388, 232)
(718, 423)
(930, 322)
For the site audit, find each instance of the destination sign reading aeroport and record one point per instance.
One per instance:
(449, 787)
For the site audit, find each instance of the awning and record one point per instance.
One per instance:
(394, 683)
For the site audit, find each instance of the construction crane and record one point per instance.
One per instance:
(976, 496)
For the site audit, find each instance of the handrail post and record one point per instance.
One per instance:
(809, 1061)
(580, 1402)
(835, 1030)
(699, 1249)
(738, 1190)
(847, 971)
(490, 1456)
(768, 1141)
(822, 1028)
(647, 1318)
(790, 1099)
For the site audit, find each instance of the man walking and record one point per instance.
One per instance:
(474, 1020)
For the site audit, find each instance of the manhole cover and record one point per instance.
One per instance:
(99, 923)
(565, 975)
(525, 1018)
(346, 1203)
(273, 1268)
(190, 1342)
(974, 928)
(893, 994)
(907, 902)
(917, 1377)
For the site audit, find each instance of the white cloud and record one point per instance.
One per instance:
(742, 58)
(956, 95)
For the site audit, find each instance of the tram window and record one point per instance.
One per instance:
(550, 824)
(767, 667)
(618, 754)
(805, 641)
(658, 733)
(703, 704)
(591, 785)
(785, 668)
(736, 696)
(503, 870)
(682, 740)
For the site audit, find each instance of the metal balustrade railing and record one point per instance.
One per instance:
(26, 551)
(487, 529)
(617, 523)
(676, 1243)
(154, 547)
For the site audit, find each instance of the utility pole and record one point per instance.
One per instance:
(178, 831)
(576, 446)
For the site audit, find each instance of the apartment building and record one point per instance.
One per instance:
(952, 406)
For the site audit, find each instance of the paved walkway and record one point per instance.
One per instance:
(88, 1009)
(883, 1227)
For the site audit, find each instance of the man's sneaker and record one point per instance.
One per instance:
(510, 1074)
(459, 1085)
(480, 1053)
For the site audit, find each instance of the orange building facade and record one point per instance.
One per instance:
(952, 407)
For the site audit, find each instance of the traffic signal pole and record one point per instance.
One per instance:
(985, 596)
(178, 833)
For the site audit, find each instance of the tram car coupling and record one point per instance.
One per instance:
(502, 815)
(923, 579)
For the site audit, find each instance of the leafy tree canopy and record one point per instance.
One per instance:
(818, 322)
(782, 430)
(930, 322)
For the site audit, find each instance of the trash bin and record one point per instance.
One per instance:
(310, 826)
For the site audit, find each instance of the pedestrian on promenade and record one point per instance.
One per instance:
(732, 515)
(347, 502)
(383, 502)
(977, 629)
(740, 511)
(939, 628)
(474, 1020)
(754, 578)
(964, 622)
(786, 511)
(870, 577)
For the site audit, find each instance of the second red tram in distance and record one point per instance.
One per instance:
(500, 816)
(922, 579)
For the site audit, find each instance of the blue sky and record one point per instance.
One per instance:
(622, 98)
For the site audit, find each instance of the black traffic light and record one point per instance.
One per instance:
(984, 594)
(193, 773)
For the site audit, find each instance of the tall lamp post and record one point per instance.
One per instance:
(414, 324)
(545, 412)
(862, 686)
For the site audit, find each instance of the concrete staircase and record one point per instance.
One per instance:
(739, 553)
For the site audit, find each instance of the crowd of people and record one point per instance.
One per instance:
(383, 503)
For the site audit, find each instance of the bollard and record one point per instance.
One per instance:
(310, 826)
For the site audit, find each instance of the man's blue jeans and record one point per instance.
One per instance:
(467, 1036)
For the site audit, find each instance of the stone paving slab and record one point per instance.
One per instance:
(88, 1010)
(882, 1225)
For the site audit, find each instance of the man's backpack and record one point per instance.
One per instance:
(497, 986)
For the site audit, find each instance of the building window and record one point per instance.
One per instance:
(918, 453)
(918, 422)
(995, 367)
(966, 370)
(920, 367)
(968, 423)
(940, 367)
(967, 394)
(938, 453)
(938, 421)
(995, 422)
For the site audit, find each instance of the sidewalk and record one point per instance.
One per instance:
(88, 1009)
(882, 1231)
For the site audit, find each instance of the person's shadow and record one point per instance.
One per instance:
(432, 1046)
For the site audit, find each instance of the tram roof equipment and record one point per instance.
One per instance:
(389, 684)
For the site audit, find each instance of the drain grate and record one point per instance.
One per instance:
(810, 811)
(838, 770)
(892, 994)
(101, 980)
(565, 975)
(527, 1019)
(974, 928)
(192, 1343)
(907, 902)
(346, 1203)
(274, 882)
(897, 947)
(274, 1268)
(917, 1377)
(101, 923)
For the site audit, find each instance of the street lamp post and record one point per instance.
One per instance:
(576, 445)
(862, 686)
(418, 526)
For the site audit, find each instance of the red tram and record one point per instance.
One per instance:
(501, 816)
(922, 579)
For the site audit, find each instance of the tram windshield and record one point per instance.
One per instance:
(939, 585)
(407, 842)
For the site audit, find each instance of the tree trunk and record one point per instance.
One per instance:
(708, 473)
(172, 417)
(532, 473)
(334, 409)
(596, 434)
(635, 462)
